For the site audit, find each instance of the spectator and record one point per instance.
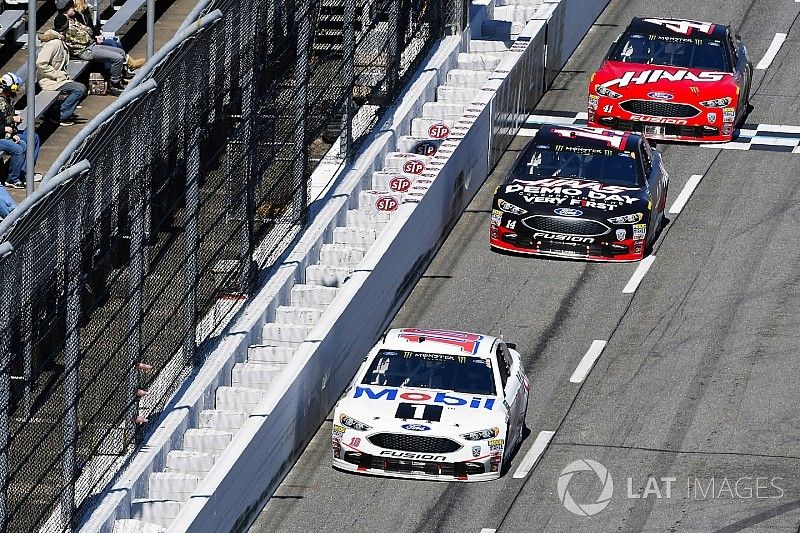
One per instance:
(7, 203)
(51, 68)
(83, 14)
(13, 142)
(83, 45)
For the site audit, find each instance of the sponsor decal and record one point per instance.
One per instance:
(468, 342)
(728, 114)
(338, 430)
(415, 166)
(712, 117)
(409, 455)
(639, 231)
(660, 75)
(568, 212)
(440, 130)
(695, 90)
(424, 148)
(572, 192)
(415, 427)
(659, 96)
(621, 234)
(659, 120)
(476, 451)
(593, 99)
(445, 398)
(727, 129)
(612, 139)
(386, 203)
(399, 184)
(684, 27)
(565, 238)
(495, 442)
(497, 217)
(637, 247)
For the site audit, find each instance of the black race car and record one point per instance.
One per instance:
(583, 193)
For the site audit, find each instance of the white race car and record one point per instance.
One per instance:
(432, 404)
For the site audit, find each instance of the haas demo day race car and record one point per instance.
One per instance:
(432, 404)
(582, 193)
(673, 80)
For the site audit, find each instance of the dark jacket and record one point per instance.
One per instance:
(7, 114)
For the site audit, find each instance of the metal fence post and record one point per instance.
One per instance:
(7, 299)
(301, 102)
(26, 317)
(135, 283)
(71, 358)
(395, 48)
(348, 79)
(30, 123)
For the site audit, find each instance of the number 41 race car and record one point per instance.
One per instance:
(432, 404)
(674, 80)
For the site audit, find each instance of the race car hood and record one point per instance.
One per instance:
(668, 84)
(384, 407)
(571, 197)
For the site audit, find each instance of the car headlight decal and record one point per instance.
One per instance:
(633, 218)
(352, 423)
(483, 434)
(605, 91)
(508, 207)
(717, 102)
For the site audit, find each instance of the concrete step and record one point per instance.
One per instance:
(354, 236)
(128, 525)
(172, 486)
(445, 111)
(488, 45)
(189, 462)
(268, 354)
(385, 180)
(380, 201)
(256, 375)
(467, 78)
(482, 61)
(340, 255)
(206, 440)
(367, 219)
(327, 275)
(452, 93)
(298, 315)
(312, 296)
(237, 399)
(230, 421)
(423, 144)
(423, 125)
(501, 29)
(159, 512)
(405, 162)
(516, 12)
(283, 334)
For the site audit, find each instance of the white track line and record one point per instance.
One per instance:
(641, 270)
(538, 447)
(772, 51)
(685, 194)
(490, 530)
(587, 362)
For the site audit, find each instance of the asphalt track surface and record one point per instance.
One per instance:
(700, 378)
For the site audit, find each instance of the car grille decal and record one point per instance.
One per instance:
(414, 443)
(566, 225)
(659, 109)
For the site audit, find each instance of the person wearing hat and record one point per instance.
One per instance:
(83, 44)
(51, 70)
(14, 142)
(81, 11)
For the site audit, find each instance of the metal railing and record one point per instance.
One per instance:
(149, 229)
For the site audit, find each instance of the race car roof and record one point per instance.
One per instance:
(439, 341)
(671, 27)
(592, 138)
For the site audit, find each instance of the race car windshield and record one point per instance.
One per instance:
(706, 54)
(457, 373)
(616, 168)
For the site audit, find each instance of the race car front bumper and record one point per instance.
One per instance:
(691, 132)
(501, 238)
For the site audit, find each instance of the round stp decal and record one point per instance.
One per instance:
(568, 212)
(415, 427)
(399, 184)
(386, 203)
(440, 130)
(415, 166)
(425, 148)
(659, 95)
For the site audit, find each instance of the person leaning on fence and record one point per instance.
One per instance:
(82, 12)
(15, 142)
(83, 45)
(7, 203)
(52, 73)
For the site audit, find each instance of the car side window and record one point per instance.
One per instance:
(503, 363)
(647, 158)
(734, 48)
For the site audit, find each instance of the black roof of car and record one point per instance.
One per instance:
(555, 135)
(641, 25)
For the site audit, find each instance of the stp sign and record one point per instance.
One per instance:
(386, 203)
(415, 166)
(440, 130)
(425, 148)
(399, 184)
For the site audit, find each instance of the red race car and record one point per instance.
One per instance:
(673, 80)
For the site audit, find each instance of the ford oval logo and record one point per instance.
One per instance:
(660, 96)
(568, 212)
(415, 427)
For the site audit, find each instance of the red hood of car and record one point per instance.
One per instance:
(669, 83)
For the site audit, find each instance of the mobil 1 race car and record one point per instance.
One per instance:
(581, 193)
(673, 79)
(432, 404)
